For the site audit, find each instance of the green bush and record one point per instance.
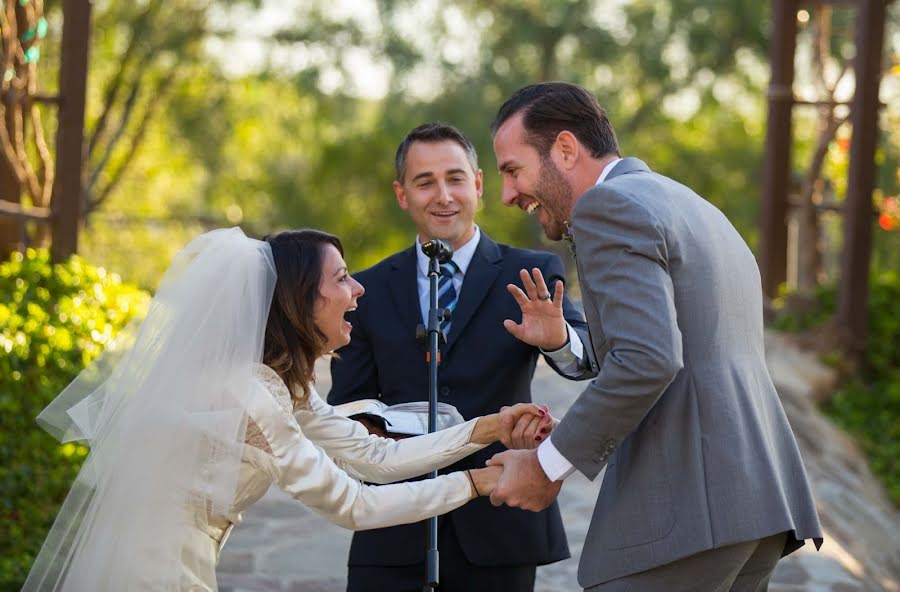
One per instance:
(54, 319)
(868, 404)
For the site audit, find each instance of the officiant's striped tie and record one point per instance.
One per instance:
(446, 291)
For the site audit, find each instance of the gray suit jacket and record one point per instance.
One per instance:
(699, 452)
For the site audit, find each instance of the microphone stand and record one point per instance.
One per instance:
(435, 338)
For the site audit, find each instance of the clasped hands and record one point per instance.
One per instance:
(515, 477)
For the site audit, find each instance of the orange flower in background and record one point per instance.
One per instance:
(889, 219)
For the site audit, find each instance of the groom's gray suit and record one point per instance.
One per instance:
(683, 413)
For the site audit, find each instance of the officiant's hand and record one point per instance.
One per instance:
(542, 323)
(525, 431)
(523, 483)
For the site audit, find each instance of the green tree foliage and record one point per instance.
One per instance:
(177, 146)
(54, 319)
(182, 139)
(655, 66)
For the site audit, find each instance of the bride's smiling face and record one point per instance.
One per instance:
(338, 293)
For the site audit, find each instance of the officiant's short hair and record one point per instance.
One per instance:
(432, 133)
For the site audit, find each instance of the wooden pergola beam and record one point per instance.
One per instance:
(858, 214)
(20, 212)
(853, 296)
(777, 156)
(68, 185)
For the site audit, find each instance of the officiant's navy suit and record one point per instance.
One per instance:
(483, 368)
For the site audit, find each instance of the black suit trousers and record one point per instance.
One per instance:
(457, 573)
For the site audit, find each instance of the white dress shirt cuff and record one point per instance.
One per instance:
(569, 357)
(554, 464)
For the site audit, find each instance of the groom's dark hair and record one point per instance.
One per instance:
(549, 108)
(432, 133)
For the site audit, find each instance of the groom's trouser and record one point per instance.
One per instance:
(744, 567)
(457, 574)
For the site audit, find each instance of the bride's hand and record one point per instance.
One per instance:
(524, 425)
(484, 480)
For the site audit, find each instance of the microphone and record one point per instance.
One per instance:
(438, 249)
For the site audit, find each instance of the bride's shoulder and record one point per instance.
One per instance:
(275, 385)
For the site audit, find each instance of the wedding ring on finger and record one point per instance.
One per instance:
(544, 296)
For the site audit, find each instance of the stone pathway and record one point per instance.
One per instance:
(281, 546)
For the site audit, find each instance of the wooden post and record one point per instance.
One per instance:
(11, 229)
(858, 214)
(68, 185)
(777, 156)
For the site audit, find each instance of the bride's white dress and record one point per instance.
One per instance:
(187, 429)
(320, 458)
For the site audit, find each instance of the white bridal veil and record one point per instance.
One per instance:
(163, 412)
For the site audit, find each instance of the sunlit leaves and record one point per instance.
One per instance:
(54, 319)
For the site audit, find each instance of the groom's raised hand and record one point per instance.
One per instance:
(523, 483)
(542, 323)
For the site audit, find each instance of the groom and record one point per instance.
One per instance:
(704, 486)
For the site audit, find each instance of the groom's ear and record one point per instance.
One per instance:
(565, 150)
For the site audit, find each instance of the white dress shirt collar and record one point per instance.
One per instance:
(606, 170)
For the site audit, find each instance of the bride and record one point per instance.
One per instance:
(193, 413)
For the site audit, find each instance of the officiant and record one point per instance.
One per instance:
(483, 367)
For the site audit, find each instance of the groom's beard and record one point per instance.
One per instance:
(556, 196)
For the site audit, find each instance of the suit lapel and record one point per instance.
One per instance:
(404, 288)
(483, 270)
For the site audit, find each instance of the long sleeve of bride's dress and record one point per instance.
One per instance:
(382, 460)
(305, 471)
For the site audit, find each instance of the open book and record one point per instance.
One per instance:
(403, 418)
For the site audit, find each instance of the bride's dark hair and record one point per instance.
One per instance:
(293, 341)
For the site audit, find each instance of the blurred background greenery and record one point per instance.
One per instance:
(286, 114)
(271, 115)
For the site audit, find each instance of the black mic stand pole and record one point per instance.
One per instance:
(435, 339)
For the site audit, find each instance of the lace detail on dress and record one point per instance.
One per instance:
(256, 438)
(276, 386)
(273, 383)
